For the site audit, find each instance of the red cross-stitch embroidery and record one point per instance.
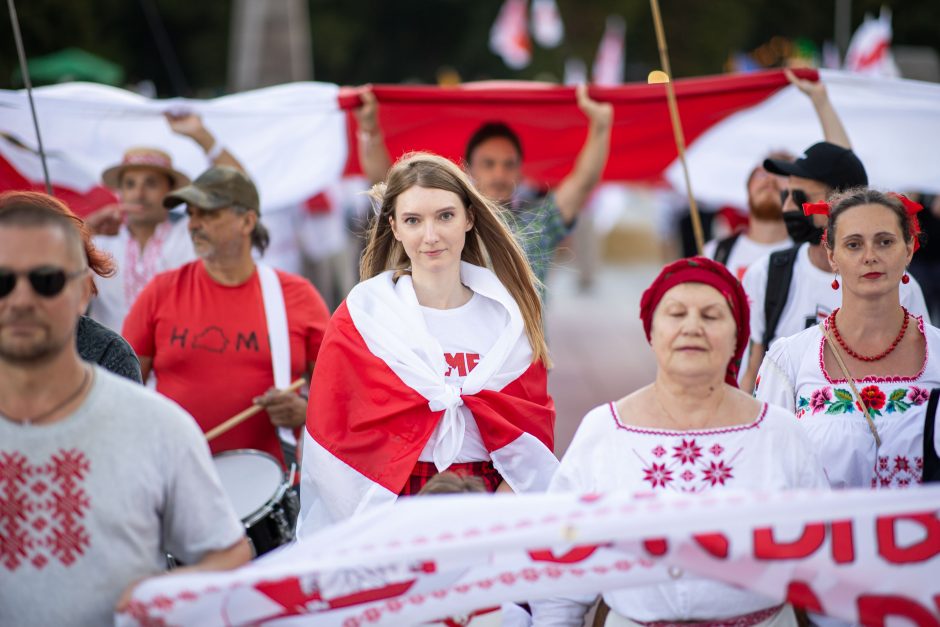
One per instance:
(687, 469)
(899, 471)
(42, 508)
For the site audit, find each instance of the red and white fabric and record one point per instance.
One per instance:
(509, 35)
(379, 394)
(861, 556)
(892, 124)
(547, 27)
(794, 376)
(870, 48)
(611, 54)
(290, 138)
(608, 453)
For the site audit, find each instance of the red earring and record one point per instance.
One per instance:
(905, 279)
(835, 283)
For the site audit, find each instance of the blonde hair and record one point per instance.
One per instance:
(489, 242)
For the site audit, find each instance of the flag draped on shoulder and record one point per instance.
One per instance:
(379, 394)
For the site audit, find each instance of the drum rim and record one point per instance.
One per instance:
(262, 512)
(250, 451)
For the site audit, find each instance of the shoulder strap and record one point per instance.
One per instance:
(275, 315)
(779, 276)
(931, 460)
(848, 377)
(724, 246)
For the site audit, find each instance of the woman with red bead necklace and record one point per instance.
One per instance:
(860, 381)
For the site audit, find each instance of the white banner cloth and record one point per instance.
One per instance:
(290, 138)
(893, 125)
(862, 556)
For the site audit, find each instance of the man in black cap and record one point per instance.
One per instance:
(791, 290)
(226, 331)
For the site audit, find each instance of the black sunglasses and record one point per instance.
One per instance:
(799, 197)
(47, 281)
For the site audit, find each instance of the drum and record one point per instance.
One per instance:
(260, 494)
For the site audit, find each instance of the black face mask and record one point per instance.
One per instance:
(801, 229)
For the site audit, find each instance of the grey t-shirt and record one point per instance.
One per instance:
(93, 502)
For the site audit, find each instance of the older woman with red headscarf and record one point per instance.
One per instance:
(691, 431)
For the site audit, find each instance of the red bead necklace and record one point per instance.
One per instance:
(878, 357)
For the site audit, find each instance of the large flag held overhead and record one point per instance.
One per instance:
(857, 555)
(893, 125)
(290, 138)
(553, 129)
(293, 142)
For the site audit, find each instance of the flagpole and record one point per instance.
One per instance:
(677, 125)
(21, 52)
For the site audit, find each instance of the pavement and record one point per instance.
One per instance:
(596, 340)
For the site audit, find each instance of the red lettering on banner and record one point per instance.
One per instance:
(767, 548)
(801, 595)
(656, 547)
(456, 361)
(472, 360)
(926, 549)
(874, 610)
(843, 544)
(716, 544)
(577, 554)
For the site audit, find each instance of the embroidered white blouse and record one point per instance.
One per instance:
(793, 376)
(607, 454)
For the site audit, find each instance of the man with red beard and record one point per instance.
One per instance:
(766, 231)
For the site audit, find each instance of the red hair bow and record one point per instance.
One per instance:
(820, 208)
(912, 208)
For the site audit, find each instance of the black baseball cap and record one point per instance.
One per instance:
(837, 167)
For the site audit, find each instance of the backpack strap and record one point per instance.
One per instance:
(779, 276)
(724, 246)
(931, 460)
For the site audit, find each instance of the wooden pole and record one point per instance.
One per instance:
(677, 125)
(242, 416)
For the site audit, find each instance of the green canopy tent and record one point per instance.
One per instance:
(71, 64)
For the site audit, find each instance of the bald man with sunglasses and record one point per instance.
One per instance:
(99, 477)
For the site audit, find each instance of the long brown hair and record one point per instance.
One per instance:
(489, 243)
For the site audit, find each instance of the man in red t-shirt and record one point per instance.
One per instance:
(202, 328)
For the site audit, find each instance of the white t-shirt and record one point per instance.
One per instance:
(95, 501)
(811, 298)
(466, 334)
(792, 376)
(607, 454)
(169, 248)
(745, 252)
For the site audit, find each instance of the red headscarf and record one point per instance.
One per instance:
(702, 270)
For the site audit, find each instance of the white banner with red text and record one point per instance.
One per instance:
(870, 557)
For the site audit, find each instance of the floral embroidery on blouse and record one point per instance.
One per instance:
(900, 471)
(835, 400)
(686, 467)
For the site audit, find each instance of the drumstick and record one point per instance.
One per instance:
(242, 416)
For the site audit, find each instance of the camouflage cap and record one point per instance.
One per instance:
(217, 188)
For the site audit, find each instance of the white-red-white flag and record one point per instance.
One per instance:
(870, 49)
(611, 54)
(380, 394)
(509, 37)
(547, 27)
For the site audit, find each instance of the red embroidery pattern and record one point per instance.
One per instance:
(687, 468)
(41, 509)
(899, 471)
